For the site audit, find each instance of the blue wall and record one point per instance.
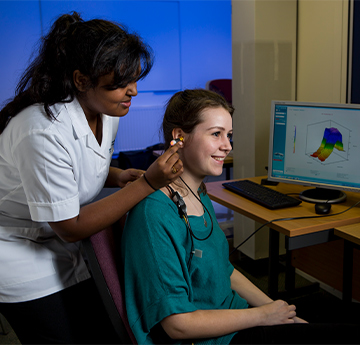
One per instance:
(191, 41)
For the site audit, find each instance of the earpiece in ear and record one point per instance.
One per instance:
(175, 141)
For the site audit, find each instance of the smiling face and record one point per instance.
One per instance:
(102, 99)
(206, 147)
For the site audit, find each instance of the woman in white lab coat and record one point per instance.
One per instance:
(56, 143)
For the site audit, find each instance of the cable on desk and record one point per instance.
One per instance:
(292, 218)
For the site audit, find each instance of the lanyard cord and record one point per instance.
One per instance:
(205, 208)
(180, 204)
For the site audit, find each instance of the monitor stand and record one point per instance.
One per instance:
(322, 195)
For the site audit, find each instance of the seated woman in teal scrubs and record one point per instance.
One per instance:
(179, 284)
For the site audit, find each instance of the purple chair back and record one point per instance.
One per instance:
(221, 86)
(100, 250)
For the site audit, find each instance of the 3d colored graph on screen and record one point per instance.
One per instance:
(332, 138)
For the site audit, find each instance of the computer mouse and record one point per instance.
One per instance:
(322, 208)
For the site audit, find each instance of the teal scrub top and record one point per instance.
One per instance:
(158, 282)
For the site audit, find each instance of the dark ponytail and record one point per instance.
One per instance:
(95, 48)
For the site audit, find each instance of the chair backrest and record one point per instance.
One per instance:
(100, 250)
(221, 86)
(4, 329)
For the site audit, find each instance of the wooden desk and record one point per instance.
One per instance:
(298, 233)
(351, 236)
(350, 233)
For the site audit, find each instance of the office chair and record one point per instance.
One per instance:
(221, 86)
(100, 251)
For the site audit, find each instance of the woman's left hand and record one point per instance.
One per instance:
(120, 178)
(128, 176)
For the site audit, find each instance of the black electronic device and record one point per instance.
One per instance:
(181, 206)
(262, 195)
(322, 208)
(179, 202)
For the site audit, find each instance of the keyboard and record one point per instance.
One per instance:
(262, 195)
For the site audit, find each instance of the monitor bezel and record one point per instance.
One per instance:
(271, 142)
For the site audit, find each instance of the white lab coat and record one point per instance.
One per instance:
(48, 170)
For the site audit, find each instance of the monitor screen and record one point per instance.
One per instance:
(316, 144)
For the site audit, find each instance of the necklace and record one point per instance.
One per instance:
(203, 215)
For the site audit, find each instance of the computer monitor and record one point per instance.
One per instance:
(316, 144)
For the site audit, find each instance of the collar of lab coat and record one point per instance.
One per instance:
(81, 127)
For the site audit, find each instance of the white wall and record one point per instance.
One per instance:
(322, 57)
(264, 66)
